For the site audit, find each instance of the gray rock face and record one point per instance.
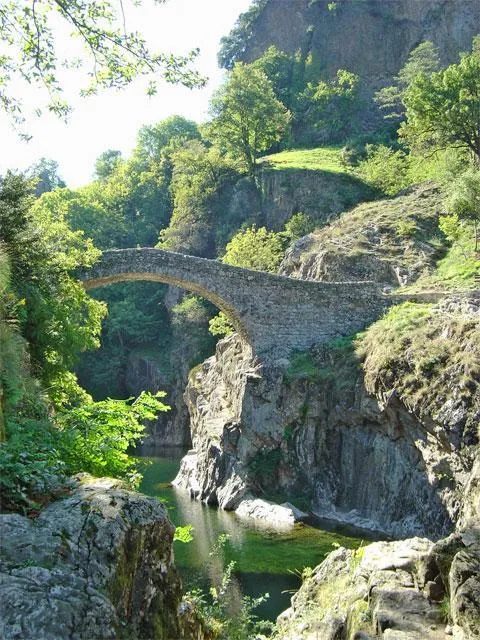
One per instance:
(379, 591)
(95, 565)
(320, 194)
(337, 37)
(144, 372)
(350, 456)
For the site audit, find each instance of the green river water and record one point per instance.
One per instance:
(266, 560)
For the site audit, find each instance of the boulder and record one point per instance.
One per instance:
(97, 564)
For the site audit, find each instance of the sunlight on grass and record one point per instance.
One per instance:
(319, 159)
(458, 270)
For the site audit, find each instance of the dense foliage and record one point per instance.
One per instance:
(247, 117)
(49, 424)
(443, 108)
(57, 317)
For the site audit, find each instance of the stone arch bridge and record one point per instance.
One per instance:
(274, 314)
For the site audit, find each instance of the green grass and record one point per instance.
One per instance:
(458, 270)
(319, 159)
(428, 354)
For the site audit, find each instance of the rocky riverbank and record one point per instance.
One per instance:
(97, 564)
(408, 590)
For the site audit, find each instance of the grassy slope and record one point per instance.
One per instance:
(319, 159)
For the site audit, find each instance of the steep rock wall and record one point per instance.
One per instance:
(325, 444)
(372, 38)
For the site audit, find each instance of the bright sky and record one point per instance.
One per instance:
(111, 120)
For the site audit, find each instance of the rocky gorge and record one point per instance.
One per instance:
(341, 441)
(343, 403)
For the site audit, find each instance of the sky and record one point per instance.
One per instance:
(111, 119)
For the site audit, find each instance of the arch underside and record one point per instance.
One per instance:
(231, 313)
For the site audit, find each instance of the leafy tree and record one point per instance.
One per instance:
(114, 55)
(91, 210)
(247, 117)
(45, 173)
(424, 59)
(13, 356)
(331, 108)
(170, 133)
(464, 200)
(200, 175)
(279, 69)
(256, 249)
(443, 109)
(95, 436)
(106, 163)
(58, 319)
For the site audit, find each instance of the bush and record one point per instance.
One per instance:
(93, 437)
(96, 436)
(220, 325)
(256, 249)
(385, 168)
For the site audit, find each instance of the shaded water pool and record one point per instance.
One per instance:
(266, 560)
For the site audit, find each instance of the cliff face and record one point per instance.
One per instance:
(326, 444)
(372, 38)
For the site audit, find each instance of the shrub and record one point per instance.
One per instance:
(385, 168)
(220, 325)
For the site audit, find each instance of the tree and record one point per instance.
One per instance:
(113, 55)
(171, 132)
(200, 177)
(58, 319)
(45, 174)
(330, 108)
(443, 109)
(279, 68)
(464, 201)
(247, 117)
(424, 59)
(106, 163)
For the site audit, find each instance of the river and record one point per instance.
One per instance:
(266, 560)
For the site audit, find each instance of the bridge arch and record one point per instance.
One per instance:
(156, 265)
(274, 314)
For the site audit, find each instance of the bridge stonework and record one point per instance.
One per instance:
(274, 314)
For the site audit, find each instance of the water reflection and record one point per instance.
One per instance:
(266, 560)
